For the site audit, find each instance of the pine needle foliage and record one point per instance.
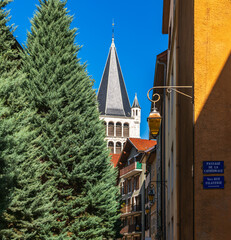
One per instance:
(72, 193)
(9, 63)
(8, 49)
(19, 170)
(6, 43)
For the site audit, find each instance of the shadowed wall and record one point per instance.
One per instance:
(212, 72)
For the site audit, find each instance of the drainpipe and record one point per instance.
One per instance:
(163, 206)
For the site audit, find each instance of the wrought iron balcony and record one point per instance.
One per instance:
(131, 169)
(130, 209)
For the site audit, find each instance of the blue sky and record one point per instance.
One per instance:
(138, 39)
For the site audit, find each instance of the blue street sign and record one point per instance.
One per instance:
(213, 182)
(213, 167)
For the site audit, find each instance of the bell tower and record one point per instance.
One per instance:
(120, 119)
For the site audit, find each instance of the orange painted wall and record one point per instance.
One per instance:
(212, 93)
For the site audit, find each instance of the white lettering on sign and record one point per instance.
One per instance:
(213, 163)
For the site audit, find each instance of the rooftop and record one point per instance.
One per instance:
(136, 103)
(115, 158)
(112, 95)
(142, 144)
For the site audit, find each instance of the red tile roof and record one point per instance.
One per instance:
(115, 158)
(142, 144)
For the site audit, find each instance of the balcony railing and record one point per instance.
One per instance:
(130, 209)
(131, 228)
(126, 209)
(124, 230)
(131, 169)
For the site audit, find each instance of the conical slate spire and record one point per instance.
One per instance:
(112, 95)
(135, 102)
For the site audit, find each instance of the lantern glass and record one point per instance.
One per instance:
(137, 227)
(151, 195)
(147, 210)
(154, 122)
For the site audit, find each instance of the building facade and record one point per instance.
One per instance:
(151, 188)
(120, 119)
(162, 173)
(134, 189)
(195, 131)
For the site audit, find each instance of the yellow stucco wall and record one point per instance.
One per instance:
(212, 119)
(212, 46)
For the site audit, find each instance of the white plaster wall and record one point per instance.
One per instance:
(137, 118)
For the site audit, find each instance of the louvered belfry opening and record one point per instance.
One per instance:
(110, 129)
(126, 130)
(118, 147)
(111, 147)
(118, 129)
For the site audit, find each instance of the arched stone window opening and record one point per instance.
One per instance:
(105, 127)
(126, 130)
(136, 112)
(118, 129)
(111, 147)
(111, 129)
(118, 147)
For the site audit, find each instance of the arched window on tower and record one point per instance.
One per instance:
(111, 147)
(111, 129)
(126, 130)
(118, 147)
(118, 129)
(105, 127)
(136, 112)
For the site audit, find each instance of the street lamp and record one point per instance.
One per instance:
(151, 194)
(154, 119)
(147, 210)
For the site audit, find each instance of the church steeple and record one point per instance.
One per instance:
(120, 120)
(112, 95)
(135, 102)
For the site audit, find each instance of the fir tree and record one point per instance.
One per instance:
(72, 194)
(19, 182)
(9, 62)
(9, 52)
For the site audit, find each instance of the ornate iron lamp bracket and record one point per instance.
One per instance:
(169, 89)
